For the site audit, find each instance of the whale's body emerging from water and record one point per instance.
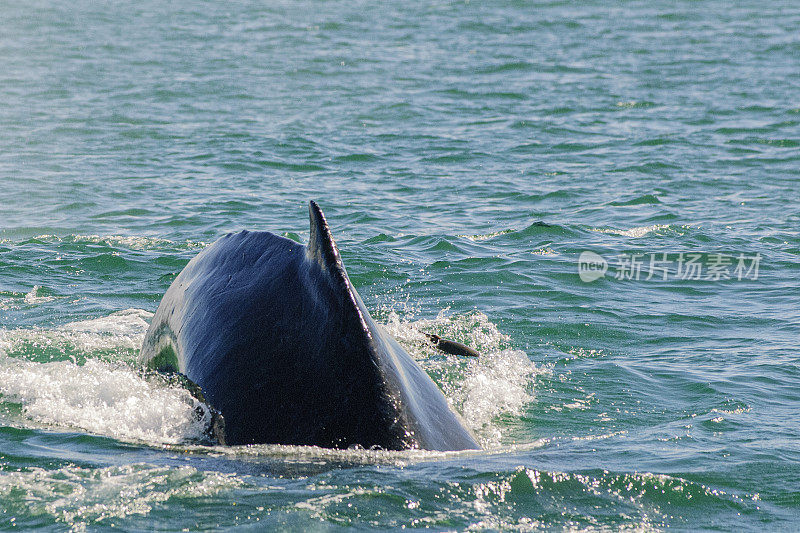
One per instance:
(280, 343)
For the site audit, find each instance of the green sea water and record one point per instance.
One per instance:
(466, 154)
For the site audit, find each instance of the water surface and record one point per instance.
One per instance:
(466, 154)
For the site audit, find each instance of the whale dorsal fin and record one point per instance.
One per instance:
(321, 246)
(322, 250)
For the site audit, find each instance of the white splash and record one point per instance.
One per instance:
(121, 332)
(483, 389)
(33, 298)
(486, 236)
(122, 329)
(107, 398)
(103, 398)
(636, 232)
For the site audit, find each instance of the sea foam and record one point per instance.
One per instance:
(109, 398)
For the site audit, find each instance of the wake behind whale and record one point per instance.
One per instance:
(278, 341)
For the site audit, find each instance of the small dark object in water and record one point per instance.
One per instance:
(451, 347)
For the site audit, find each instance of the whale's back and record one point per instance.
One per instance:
(282, 345)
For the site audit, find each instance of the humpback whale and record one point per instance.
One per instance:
(273, 336)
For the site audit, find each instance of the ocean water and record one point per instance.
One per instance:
(466, 155)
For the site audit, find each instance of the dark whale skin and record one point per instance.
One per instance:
(280, 343)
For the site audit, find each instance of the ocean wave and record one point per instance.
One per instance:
(80, 496)
(635, 232)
